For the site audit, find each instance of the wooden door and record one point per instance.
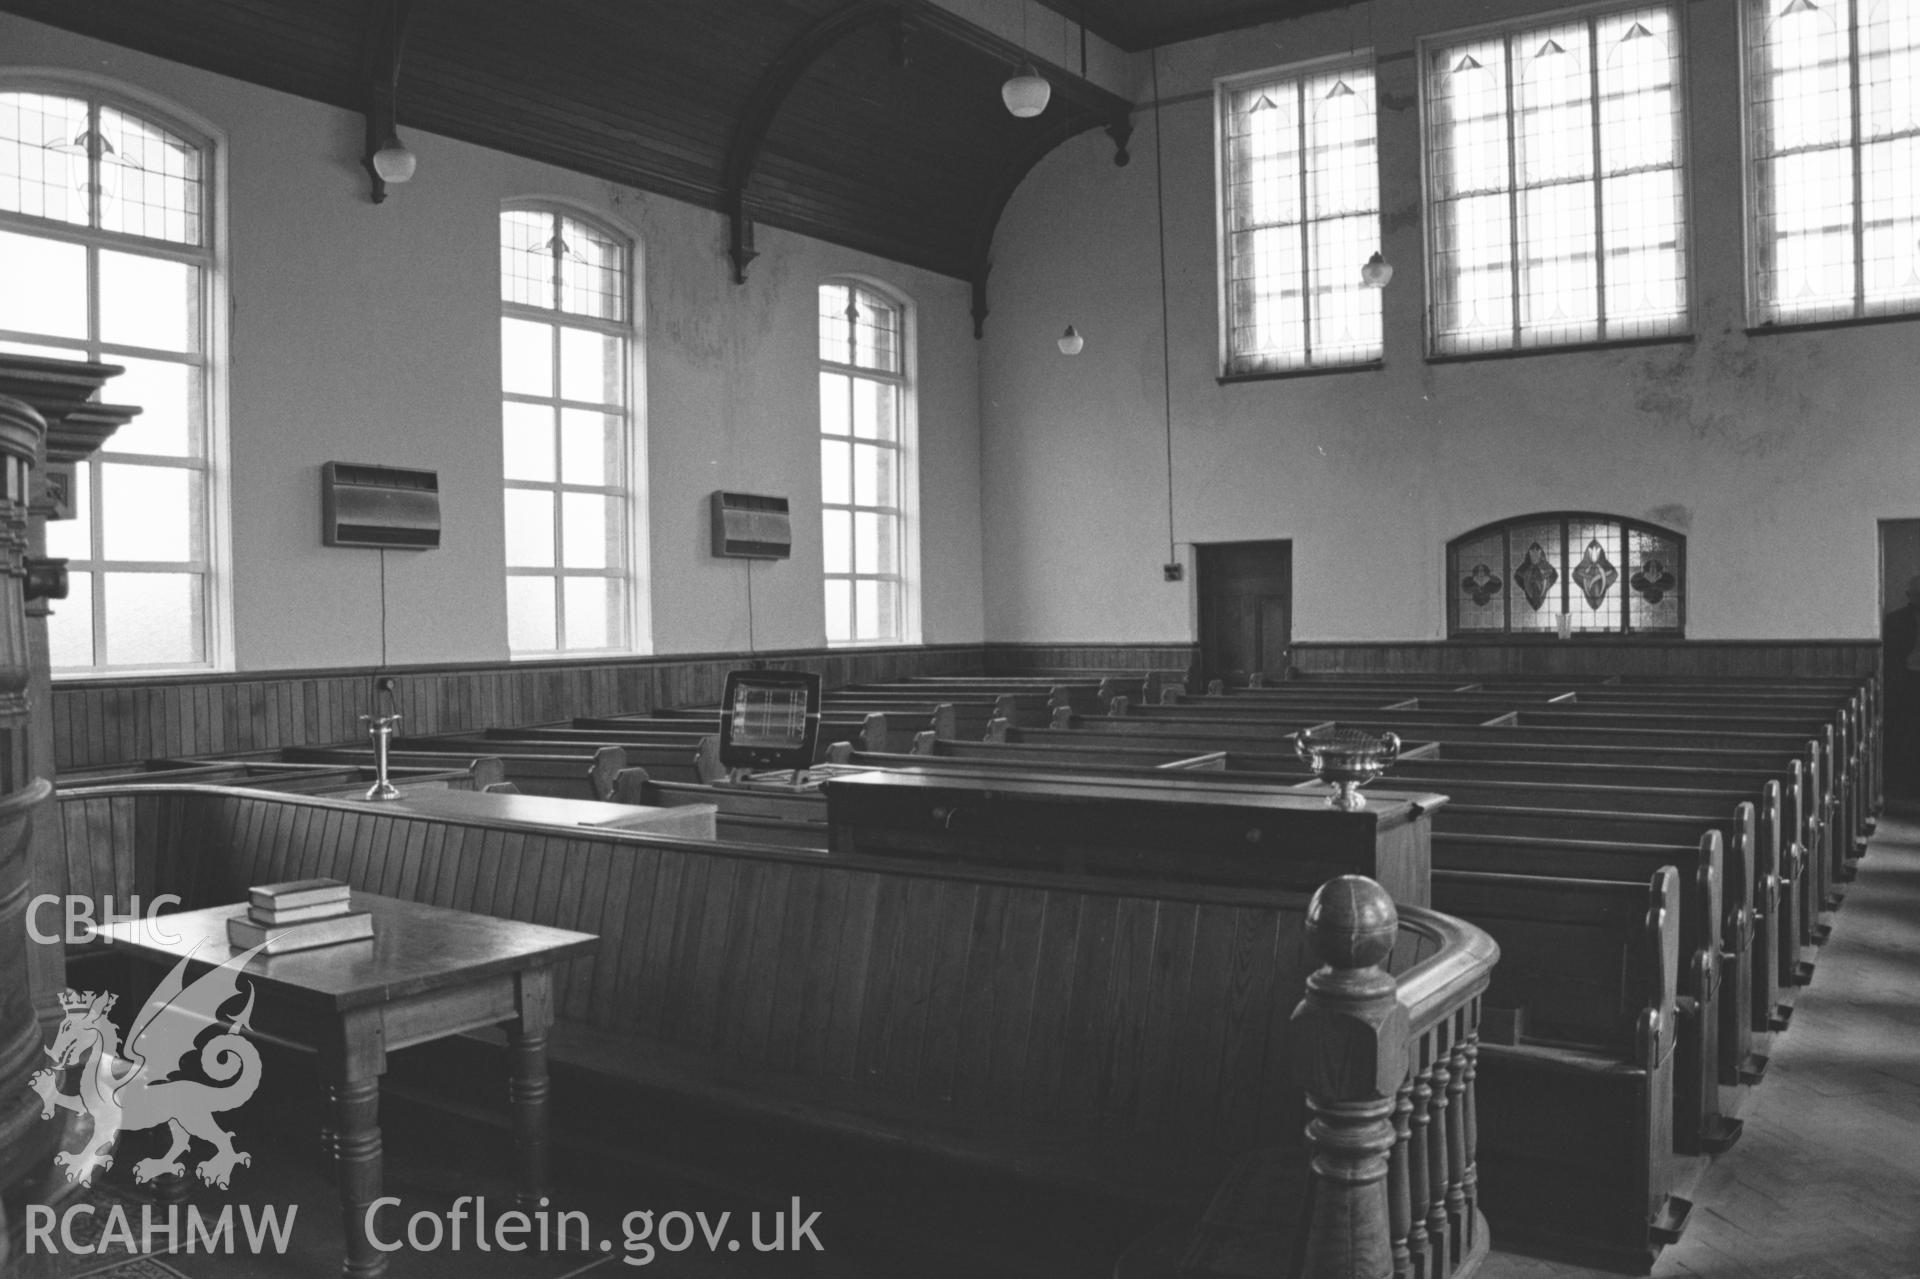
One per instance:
(1900, 657)
(1246, 609)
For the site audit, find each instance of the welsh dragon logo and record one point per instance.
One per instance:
(141, 1090)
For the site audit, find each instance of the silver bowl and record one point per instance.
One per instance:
(1349, 758)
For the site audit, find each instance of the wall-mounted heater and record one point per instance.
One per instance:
(750, 526)
(380, 506)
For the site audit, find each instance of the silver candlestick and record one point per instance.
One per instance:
(380, 728)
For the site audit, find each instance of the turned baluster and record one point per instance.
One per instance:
(1399, 1189)
(1470, 1121)
(1350, 1058)
(1419, 1246)
(1438, 1143)
(1457, 1147)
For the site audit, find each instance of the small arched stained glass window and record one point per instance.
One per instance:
(1573, 571)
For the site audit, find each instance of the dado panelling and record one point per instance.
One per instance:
(108, 721)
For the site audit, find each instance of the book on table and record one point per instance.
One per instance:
(245, 932)
(298, 914)
(297, 893)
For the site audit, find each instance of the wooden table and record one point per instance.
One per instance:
(426, 973)
(687, 821)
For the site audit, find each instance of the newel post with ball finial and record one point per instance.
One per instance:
(1350, 1037)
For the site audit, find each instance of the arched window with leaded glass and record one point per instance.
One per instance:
(866, 480)
(567, 302)
(108, 252)
(1575, 572)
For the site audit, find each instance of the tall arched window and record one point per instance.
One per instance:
(1577, 571)
(866, 432)
(107, 253)
(566, 363)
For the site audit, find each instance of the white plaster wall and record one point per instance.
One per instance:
(370, 334)
(1775, 454)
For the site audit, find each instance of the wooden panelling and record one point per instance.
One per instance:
(1691, 658)
(117, 721)
(948, 988)
(1012, 659)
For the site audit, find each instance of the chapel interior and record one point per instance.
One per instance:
(1065, 639)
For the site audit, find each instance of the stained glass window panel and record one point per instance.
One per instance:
(1653, 581)
(526, 257)
(1593, 576)
(1555, 208)
(43, 161)
(593, 272)
(1480, 585)
(1300, 215)
(1605, 575)
(1833, 113)
(150, 180)
(1535, 578)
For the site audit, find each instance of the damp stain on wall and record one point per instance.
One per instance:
(1725, 397)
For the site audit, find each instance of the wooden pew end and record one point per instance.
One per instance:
(1717, 1135)
(1670, 1222)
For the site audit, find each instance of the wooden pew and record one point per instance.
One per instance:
(299, 779)
(1705, 1063)
(1784, 922)
(576, 775)
(746, 814)
(1717, 1044)
(1584, 1004)
(1126, 1039)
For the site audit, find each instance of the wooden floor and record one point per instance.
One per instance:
(1825, 1183)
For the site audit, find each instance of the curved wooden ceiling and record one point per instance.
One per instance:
(1136, 25)
(910, 162)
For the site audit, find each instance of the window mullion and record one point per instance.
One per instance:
(1859, 158)
(1513, 191)
(1306, 230)
(1599, 186)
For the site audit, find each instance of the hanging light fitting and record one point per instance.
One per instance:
(1027, 92)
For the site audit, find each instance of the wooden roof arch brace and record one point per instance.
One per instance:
(750, 131)
(1119, 128)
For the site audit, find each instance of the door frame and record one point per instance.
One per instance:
(1205, 564)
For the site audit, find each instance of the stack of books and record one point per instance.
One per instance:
(298, 915)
